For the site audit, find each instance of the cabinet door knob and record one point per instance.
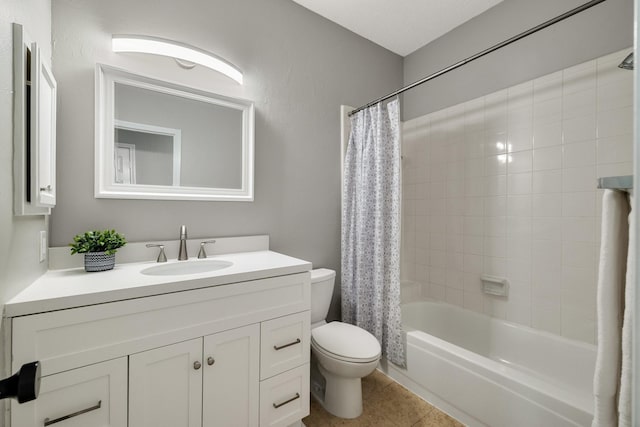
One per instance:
(196, 365)
(210, 361)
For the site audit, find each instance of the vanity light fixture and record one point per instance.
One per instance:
(176, 50)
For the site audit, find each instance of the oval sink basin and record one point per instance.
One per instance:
(186, 267)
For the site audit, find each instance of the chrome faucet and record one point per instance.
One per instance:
(182, 253)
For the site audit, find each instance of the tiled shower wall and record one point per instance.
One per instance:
(506, 185)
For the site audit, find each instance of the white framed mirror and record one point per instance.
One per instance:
(160, 140)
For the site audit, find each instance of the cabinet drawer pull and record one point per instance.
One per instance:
(48, 422)
(297, 341)
(277, 405)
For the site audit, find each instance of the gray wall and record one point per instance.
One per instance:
(603, 29)
(299, 69)
(211, 135)
(19, 265)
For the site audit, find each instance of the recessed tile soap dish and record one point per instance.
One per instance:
(494, 285)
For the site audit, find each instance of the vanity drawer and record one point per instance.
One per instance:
(67, 339)
(284, 399)
(284, 343)
(94, 395)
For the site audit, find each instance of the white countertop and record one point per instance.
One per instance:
(61, 289)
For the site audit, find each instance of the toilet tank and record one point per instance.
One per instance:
(322, 281)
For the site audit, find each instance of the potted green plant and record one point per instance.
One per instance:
(99, 248)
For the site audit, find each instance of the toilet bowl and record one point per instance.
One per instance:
(342, 353)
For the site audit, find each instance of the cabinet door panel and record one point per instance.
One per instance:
(94, 395)
(43, 132)
(284, 343)
(231, 379)
(284, 399)
(165, 387)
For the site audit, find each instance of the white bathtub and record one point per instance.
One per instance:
(487, 372)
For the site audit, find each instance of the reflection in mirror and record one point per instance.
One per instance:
(158, 154)
(158, 140)
(211, 135)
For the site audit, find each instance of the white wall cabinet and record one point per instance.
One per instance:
(34, 128)
(232, 355)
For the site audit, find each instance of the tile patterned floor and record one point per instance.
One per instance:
(386, 404)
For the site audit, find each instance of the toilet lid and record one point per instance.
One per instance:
(346, 341)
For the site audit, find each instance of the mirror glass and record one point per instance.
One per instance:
(158, 140)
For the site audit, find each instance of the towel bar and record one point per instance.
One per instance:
(616, 182)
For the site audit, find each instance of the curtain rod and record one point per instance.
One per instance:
(500, 45)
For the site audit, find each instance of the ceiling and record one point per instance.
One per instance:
(402, 26)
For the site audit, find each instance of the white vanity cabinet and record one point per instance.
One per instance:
(233, 354)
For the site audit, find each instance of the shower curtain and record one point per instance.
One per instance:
(371, 227)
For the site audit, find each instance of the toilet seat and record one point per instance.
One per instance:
(340, 358)
(345, 342)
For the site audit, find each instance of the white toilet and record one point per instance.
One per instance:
(342, 353)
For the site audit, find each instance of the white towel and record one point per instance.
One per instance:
(610, 303)
(624, 403)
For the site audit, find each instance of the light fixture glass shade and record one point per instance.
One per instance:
(181, 51)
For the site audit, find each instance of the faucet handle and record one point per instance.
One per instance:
(202, 253)
(161, 256)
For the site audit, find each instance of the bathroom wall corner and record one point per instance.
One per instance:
(19, 249)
